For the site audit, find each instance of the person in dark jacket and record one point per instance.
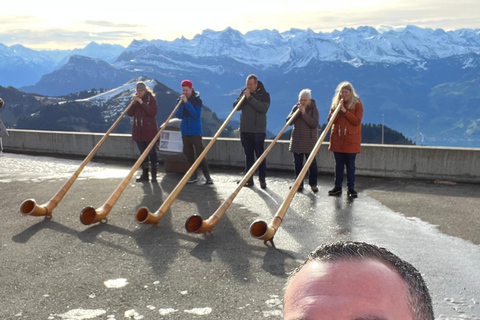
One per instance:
(191, 127)
(253, 125)
(304, 136)
(345, 136)
(145, 127)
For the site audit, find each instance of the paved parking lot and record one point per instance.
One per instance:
(61, 269)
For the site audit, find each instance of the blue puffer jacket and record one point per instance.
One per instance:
(190, 113)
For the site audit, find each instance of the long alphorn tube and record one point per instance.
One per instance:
(145, 216)
(195, 224)
(259, 228)
(30, 207)
(91, 215)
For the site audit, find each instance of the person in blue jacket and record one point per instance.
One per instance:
(191, 127)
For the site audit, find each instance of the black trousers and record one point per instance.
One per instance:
(253, 145)
(194, 145)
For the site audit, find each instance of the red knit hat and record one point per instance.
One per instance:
(187, 83)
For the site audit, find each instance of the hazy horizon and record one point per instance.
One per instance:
(56, 25)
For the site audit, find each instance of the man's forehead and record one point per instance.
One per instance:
(339, 271)
(356, 289)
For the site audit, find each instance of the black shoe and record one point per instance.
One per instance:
(314, 189)
(154, 173)
(300, 188)
(193, 179)
(208, 179)
(143, 177)
(263, 184)
(249, 183)
(352, 193)
(335, 191)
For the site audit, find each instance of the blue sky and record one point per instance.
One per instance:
(67, 25)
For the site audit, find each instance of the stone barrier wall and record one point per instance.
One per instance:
(435, 163)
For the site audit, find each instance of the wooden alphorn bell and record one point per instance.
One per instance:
(30, 207)
(259, 228)
(90, 215)
(195, 224)
(145, 216)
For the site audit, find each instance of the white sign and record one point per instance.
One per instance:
(171, 141)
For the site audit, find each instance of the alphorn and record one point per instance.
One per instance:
(195, 224)
(91, 215)
(259, 228)
(145, 216)
(30, 207)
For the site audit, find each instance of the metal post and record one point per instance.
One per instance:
(383, 128)
(418, 129)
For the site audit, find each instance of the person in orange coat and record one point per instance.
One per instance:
(346, 136)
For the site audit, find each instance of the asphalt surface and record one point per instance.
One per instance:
(59, 268)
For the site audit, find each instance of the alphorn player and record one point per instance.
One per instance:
(145, 127)
(190, 112)
(253, 125)
(345, 136)
(304, 136)
(3, 129)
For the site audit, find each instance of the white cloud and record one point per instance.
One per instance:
(53, 23)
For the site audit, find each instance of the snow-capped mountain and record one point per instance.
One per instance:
(404, 74)
(265, 49)
(396, 71)
(97, 112)
(113, 101)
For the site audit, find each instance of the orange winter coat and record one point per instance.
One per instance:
(346, 133)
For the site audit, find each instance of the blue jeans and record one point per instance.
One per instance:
(253, 144)
(312, 171)
(152, 155)
(345, 160)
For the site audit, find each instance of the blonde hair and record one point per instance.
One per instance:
(337, 97)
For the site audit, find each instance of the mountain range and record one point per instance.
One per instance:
(422, 82)
(94, 110)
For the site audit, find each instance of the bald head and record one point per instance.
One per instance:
(356, 281)
(346, 290)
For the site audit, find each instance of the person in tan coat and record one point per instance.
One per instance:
(345, 136)
(304, 136)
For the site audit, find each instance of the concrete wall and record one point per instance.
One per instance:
(435, 163)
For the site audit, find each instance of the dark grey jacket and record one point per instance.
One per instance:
(254, 110)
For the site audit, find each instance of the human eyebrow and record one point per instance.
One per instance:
(370, 318)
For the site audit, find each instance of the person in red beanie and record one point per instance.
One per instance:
(191, 128)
